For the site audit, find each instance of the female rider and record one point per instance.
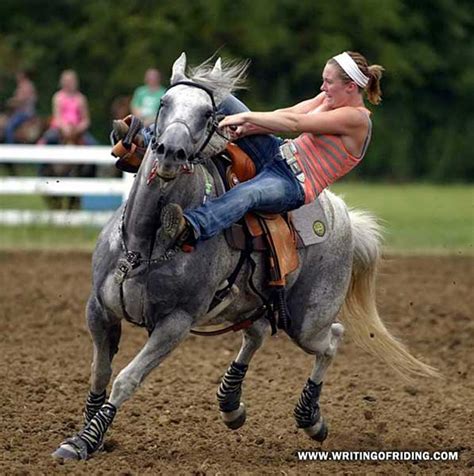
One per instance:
(334, 131)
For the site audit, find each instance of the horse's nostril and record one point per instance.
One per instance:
(160, 149)
(181, 154)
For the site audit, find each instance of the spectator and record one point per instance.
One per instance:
(146, 98)
(71, 119)
(22, 104)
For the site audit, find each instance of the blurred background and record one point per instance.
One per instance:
(419, 170)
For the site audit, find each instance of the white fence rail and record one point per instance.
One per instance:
(59, 186)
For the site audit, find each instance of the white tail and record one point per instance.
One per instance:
(359, 313)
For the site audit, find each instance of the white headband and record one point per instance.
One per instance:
(345, 61)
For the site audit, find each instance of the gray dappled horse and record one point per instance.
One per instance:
(137, 278)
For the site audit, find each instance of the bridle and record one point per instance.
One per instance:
(212, 124)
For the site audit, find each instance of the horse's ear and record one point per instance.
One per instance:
(179, 67)
(217, 67)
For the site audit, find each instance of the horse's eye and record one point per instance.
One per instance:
(162, 103)
(208, 113)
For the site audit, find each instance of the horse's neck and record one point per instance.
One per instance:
(143, 209)
(141, 216)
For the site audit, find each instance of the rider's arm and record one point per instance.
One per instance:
(302, 107)
(341, 121)
(306, 106)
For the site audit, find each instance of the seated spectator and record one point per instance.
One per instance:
(146, 99)
(71, 119)
(22, 105)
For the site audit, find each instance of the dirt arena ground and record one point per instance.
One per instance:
(172, 425)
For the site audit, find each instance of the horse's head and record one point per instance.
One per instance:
(188, 114)
(186, 121)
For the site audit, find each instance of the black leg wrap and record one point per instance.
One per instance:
(94, 432)
(307, 409)
(230, 389)
(94, 403)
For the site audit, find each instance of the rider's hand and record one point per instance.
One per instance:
(233, 120)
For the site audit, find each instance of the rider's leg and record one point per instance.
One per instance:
(275, 190)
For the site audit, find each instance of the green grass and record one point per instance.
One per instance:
(418, 218)
(42, 236)
(20, 202)
(47, 237)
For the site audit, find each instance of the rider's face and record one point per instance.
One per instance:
(337, 91)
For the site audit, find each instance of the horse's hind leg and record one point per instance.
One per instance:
(105, 332)
(307, 412)
(232, 410)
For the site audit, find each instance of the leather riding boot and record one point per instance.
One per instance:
(120, 129)
(175, 228)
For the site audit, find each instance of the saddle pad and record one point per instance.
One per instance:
(310, 222)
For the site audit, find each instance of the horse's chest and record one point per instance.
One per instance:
(126, 299)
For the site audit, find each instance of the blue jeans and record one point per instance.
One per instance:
(274, 189)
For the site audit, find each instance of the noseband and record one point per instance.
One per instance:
(212, 124)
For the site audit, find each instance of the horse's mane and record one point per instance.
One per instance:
(231, 77)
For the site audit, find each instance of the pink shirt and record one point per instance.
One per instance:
(69, 109)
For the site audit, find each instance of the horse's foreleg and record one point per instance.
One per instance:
(105, 335)
(167, 334)
(307, 412)
(230, 390)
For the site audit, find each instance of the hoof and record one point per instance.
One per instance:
(318, 432)
(234, 420)
(73, 448)
(66, 452)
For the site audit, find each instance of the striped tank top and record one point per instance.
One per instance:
(323, 158)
